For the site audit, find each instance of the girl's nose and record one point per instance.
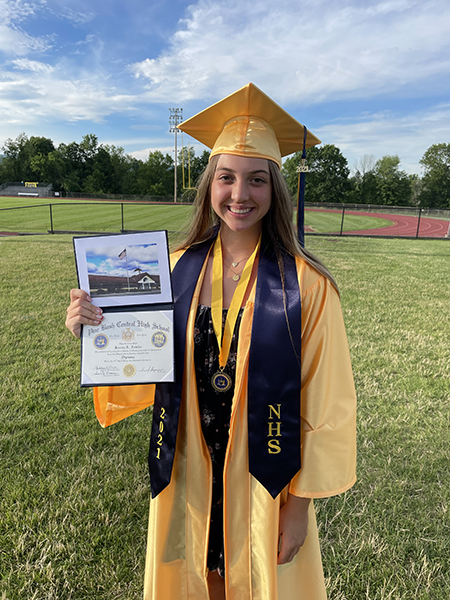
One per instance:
(240, 192)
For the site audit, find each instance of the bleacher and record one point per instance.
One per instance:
(15, 188)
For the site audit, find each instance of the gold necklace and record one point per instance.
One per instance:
(234, 263)
(236, 276)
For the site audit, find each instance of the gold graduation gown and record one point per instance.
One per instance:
(179, 515)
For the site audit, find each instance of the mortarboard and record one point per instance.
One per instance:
(249, 123)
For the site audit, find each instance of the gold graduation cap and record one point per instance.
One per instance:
(248, 123)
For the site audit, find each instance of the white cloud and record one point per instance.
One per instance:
(13, 39)
(24, 64)
(43, 93)
(304, 52)
(143, 154)
(78, 17)
(408, 135)
(89, 39)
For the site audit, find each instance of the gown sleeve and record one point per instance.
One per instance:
(115, 403)
(328, 399)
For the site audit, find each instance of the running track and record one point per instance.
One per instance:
(399, 225)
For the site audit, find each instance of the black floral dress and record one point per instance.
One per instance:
(215, 413)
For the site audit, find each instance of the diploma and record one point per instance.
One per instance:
(132, 347)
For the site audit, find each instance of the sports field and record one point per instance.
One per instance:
(74, 497)
(33, 216)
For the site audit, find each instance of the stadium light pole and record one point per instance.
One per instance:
(175, 118)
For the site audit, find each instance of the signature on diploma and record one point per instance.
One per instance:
(103, 369)
(151, 369)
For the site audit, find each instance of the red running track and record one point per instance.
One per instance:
(400, 225)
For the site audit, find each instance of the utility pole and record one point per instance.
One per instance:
(175, 118)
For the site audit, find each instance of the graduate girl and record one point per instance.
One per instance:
(261, 418)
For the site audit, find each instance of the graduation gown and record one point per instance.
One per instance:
(179, 516)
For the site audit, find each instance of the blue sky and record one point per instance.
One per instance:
(106, 261)
(371, 77)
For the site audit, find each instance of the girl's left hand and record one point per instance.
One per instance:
(293, 527)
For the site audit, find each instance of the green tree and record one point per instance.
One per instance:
(19, 163)
(101, 179)
(365, 190)
(198, 165)
(155, 176)
(393, 185)
(328, 176)
(14, 165)
(364, 182)
(49, 168)
(125, 170)
(436, 180)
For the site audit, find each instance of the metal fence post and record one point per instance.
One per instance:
(342, 220)
(121, 208)
(418, 222)
(51, 219)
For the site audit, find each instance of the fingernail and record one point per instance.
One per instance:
(99, 310)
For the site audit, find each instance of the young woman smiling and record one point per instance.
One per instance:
(263, 413)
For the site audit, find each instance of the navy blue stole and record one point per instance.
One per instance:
(274, 373)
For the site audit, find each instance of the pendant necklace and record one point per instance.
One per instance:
(233, 263)
(221, 381)
(236, 276)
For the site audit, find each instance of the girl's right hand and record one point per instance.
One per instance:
(81, 311)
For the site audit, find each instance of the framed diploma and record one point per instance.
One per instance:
(128, 276)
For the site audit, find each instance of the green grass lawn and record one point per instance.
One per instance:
(74, 497)
(330, 222)
(70, 215)
(89, 216)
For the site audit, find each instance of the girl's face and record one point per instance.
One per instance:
(241, 192)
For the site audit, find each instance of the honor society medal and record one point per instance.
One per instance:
(221, 382)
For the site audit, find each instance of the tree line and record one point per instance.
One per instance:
(374, 181)
(92, 168)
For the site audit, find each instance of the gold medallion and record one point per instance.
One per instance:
(236, 277)
(221, 382)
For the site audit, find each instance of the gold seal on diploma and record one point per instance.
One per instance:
(129, 370)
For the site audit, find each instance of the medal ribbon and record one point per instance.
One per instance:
(224, 341)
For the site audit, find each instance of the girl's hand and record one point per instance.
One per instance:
(293, 527)
(81, 311)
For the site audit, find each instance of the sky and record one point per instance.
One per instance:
(106, 261)
(371, 77)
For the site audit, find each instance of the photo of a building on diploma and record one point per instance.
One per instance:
(119, 270)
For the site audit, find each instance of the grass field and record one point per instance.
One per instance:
(70, 215)
(90, 216)
(74, 497)
(330, 222)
